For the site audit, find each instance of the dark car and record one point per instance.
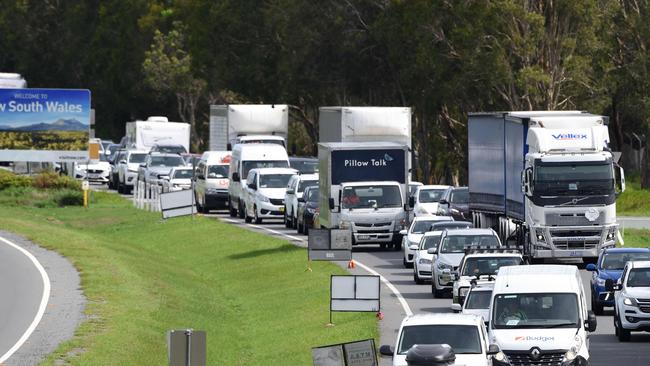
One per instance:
(443, 225)
(455, 203)
(610, 267)
(169, 149)
(307, 207)
(304, 165)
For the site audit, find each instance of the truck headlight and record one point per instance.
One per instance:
(424, 261)
(539, 233)
(629, 301)
(344, 224)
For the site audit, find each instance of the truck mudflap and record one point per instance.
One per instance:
(571, 241)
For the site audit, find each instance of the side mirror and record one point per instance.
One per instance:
(291, 191)
(143, 165)
(455, 275)
(592, 322)
(331, 203)
(444, 202)
(413, 247)
(403, 232)
(527, 179)
(235, 177)
(620, 179)
(163, 176)
(456, 307)
(300, 199)
(386, 350)
(252, 186)
(432, 250)
(591, 267)
(493, 349)
(411, 202)
(122, 161)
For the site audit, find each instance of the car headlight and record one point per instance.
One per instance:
(424, 261)
(311, 210)
(442, 266)
(600, 282)
(629, 301)
(263, 198)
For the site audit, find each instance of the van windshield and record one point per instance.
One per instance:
(218, 171)
(274, 180)
(248, 165)
(462, 338)
(544, 310)
(371, 197)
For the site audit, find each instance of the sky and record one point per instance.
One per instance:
(26, 96)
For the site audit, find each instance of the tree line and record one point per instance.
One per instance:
(443, 58)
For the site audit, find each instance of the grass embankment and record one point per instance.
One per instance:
(635, 201)
(636, 238)
(143, 277)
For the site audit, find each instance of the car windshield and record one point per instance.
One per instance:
(137, 158)
(274, 180)
(171, 149)
(462, 338)
(371, 197)
(616, 261)
(459, 196)
(421, 226)
(639, 277)
(312, 195)
(218, 171)
(306, 183)
(486, 265)
(304, 166)
(183, 174)
(430, 195)
(478, 300)
(252, 164)
(562, 179)
(167, 161)
(547, 310)
(458, 243)
(428, 242)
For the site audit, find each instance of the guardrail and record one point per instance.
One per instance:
(146, 196)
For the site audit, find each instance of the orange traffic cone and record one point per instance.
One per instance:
(351, 263)
(380, 315)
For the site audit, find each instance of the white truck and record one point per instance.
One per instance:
(248, 123)
(9, 80)
(143, 135)
(364, 187)
(546, 180)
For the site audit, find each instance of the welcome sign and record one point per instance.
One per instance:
(47, 125)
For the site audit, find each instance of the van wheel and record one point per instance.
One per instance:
(596, 307)
(241, 210)
(257, 218)
(231, 209)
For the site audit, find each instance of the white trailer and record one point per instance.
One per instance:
(143, 135)
(267, 123)
(12, 81)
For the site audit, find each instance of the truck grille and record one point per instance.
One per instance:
(525, 358)
(575, 239)
(571, 219)
(277, 202)
(376, 224)
(373, 231)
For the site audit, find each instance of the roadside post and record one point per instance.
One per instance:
(186, 347)
(85, 186)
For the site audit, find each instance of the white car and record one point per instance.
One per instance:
(295, 189)
(211, 180)
(98, 171)
(127, 170)
(477, 265)
(427, 199)
(451, 250)
(179, 178)
(465, 334)
(478, 300)
(423, 260)
(632, 300)
(264, 193)
(412, 236)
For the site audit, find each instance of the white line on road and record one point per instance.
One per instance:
(41, 308)
(400, 298)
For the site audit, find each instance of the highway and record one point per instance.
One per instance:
(605, 349)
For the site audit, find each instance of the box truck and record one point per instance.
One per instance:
(546, 180)
(248, 123)
(364, 187)
(143, 135)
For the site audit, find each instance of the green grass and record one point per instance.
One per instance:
(636, 238)
(635, 201)
(143, 277)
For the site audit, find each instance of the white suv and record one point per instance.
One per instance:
(631, 299)
(423, 260)
(264, 193)
(412, 236)
(295, 189)
(451, 250)
(466, 334)
(127, 169)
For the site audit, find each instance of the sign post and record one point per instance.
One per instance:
(85, 186)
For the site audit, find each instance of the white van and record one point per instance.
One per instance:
(211, 180)
(539, 315)
(246, 157)
(264, 193)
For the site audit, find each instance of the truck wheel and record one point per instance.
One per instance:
(595, 306)
(241, 211)
(231, 209)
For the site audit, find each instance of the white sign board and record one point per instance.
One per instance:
(329, 245)
(360, 353)
(180, 203)
(355, 293)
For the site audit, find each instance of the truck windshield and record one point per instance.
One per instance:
(562, 179)
(462, 338)
(429, 242)
(616, 261)
(371, 196)
(639, 277)
(487, 266)
(478, 300)
(549, 310)
(248, 165)
(430, 195)
(274, 180)
(458, 243)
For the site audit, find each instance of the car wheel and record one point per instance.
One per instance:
(294, 222)
(405, 263)
(258, 220)
(231, 209)
(623, 334)
(437, 294)
(247, 218)
(287, 223)
(416, 278)
(241, 210)
(595, 306)
(382, 245)
(199, 208)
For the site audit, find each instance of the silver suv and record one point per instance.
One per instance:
(156, 165)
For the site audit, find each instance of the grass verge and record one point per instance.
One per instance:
(636, 238)
(143, 277)
(635, 201)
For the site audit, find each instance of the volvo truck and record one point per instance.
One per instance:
(248, 123)
(545, 180)
(364, 187)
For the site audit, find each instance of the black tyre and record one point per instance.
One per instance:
(437, 294)
(416, 278)
(596, 307)
(623, 335)
(287, 222)
(258, 220)
(120, 187)
(231, 210)
(241, 210)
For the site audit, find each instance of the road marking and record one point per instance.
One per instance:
(41, 308)
(400, 298)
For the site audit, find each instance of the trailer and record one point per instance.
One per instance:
(248, 123)
(143, 135)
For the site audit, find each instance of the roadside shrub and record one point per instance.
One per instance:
(68, 197)
(11, 180)
(54, 180)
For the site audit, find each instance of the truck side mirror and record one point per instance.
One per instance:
(493, 349)
(331, 204)
(527, 178)
(620, 179)
(235, 177)
(386, 350)
(411, 202)
(592, 322)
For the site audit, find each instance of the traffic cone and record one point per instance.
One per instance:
(380, 315)
(351, 263)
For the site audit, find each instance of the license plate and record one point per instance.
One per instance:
(94, 176)
(575, 253)
(281, 208)
(364, 237)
